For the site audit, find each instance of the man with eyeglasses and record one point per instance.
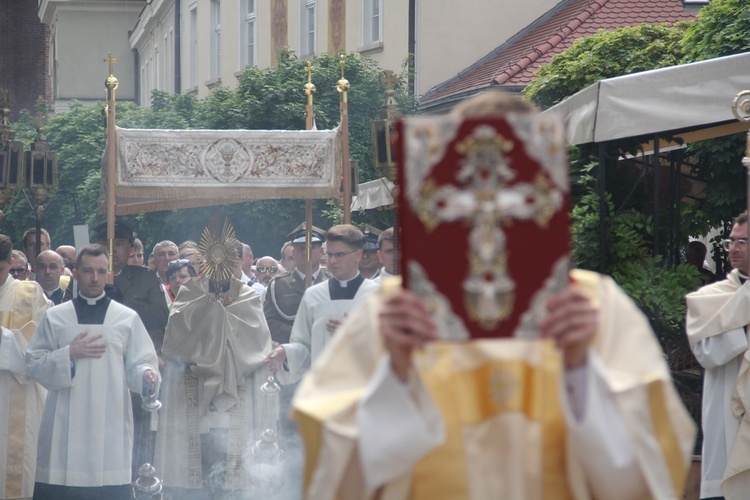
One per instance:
(20, 269)
(29, 247)
(717, 318)
(324, 306)
(266, 268)
(49, 275)
(22, 305)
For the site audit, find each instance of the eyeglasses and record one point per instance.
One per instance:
(339, 255)
(740, 242)
(266, 269)
(178, 261)
(18, 270)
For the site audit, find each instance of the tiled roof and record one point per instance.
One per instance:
(513, 63)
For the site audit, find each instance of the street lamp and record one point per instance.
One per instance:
(40, 176)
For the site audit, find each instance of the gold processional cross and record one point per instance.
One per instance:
(487, 198)
(111, 60)
(388, 79)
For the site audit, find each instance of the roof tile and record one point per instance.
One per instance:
(514, 62)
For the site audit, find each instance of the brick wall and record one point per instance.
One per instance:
(24, 54)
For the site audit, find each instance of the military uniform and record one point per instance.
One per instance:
(283, 297)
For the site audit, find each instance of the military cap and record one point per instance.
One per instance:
(371, 237)
(122, 230)
(298, 235)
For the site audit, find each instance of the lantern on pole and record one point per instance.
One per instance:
(11, 154)
(384, 130)
(384, 154)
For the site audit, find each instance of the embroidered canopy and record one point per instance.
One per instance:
(170, 169)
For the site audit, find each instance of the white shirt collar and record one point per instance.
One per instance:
(93, 301)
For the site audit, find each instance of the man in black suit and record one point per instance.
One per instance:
(137, 287)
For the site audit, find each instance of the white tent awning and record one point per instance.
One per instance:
(373, 194)
(695, 95)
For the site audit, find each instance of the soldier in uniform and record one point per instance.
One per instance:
(285, 291)
(369, 266)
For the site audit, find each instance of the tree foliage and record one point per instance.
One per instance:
(271, 98)
(722, 29)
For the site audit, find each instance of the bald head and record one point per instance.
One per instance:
(68, 254)
(49, 268)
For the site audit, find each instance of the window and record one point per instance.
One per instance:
(155, 71)
(167, 78)
(247, 34)
(215, 39)
(372, 22)
(307, 24)
(193, 46)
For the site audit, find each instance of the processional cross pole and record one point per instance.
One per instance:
(343, 88)
(741, 110)
(309, 125)
(111, 85)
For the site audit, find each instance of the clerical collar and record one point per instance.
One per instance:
(384, 273)
(742, 277)
(302, 275)
(344, 290)
(50, 294)
(345, 283)
(90, 301)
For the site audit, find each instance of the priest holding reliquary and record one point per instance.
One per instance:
(527, 381)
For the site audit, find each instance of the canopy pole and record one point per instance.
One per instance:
(343, 87)
(601, 191)
(657, 186)
(309, 125)
(111, 85)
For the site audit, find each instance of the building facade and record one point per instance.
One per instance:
(81, 34)
(24, 46)
(195, 45)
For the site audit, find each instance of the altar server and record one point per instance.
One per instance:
(89, 353)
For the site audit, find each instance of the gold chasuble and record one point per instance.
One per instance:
(503, 411)
(22, 304)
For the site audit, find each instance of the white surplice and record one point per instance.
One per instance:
(716, 326)
(22, 304)
(310, 335)
(86, 436)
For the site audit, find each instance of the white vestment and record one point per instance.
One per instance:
(22, 304)
(86, 436)
(310, 333)
(716, 325)
(491, 419)
(214, 350)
